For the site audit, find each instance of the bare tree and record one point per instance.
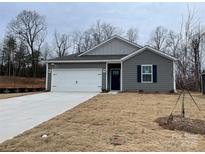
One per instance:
(158, 38)
(172, 42)
(77, 39)
(46, 51)
(184, 72)
(87, 41)
(96, 34)
(9, 50)
(132, 34)
(1, 59)
(62, 42)
(30, 27)
(187, 46)
(20, 59)
(196, 41)
(109, 30)
(190, 51)
(102, 31)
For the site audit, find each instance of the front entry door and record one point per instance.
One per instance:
(115, 79)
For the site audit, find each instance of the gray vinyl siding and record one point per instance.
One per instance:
(164, 73)
(115, 46)
(78, 65)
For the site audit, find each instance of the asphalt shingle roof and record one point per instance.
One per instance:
(89, 57)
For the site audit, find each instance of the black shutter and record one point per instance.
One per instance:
(138, 73)
(154, 68)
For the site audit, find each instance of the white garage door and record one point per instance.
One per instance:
(76, 80)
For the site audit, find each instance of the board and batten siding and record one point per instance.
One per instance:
(113, 47)
(164, 73)
(75, 66)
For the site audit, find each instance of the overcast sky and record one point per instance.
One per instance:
(67, 17)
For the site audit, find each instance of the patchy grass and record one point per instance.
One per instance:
(10, 95)
(121, 122)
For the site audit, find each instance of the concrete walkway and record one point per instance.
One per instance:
(22, 113)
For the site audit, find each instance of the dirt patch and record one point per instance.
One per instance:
(195, 126)
(116, 140)
(94, 124)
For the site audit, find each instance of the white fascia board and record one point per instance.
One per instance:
(123, 39)
(163, 54)
(82, 61)
(132, 54)
(153, 50)
(113, 61)
(115, 36)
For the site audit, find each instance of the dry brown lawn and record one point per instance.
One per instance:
(21, 82)
(90, 125)
(10, 95)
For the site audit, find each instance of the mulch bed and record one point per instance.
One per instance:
(194, 126)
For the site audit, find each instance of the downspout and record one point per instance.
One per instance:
(121, 77)
(46, 76)
(174, 76)
(106, 76)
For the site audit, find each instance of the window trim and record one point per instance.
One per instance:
(151, 65)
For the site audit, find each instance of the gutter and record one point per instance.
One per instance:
(81, 61)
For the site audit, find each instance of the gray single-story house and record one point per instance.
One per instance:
(114, 65)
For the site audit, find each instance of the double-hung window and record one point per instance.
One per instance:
(146, 74)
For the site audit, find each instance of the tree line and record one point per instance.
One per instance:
(188, 46)
(24, 47)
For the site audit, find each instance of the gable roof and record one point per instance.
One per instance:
(151, 49)
(106, 41)
(106, 58)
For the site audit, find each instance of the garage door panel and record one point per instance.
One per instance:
(59, 84)
(76, 80)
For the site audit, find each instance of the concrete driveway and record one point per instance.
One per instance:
(22, 113)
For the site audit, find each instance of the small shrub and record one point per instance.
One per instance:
(105, 91)
(171, 91)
